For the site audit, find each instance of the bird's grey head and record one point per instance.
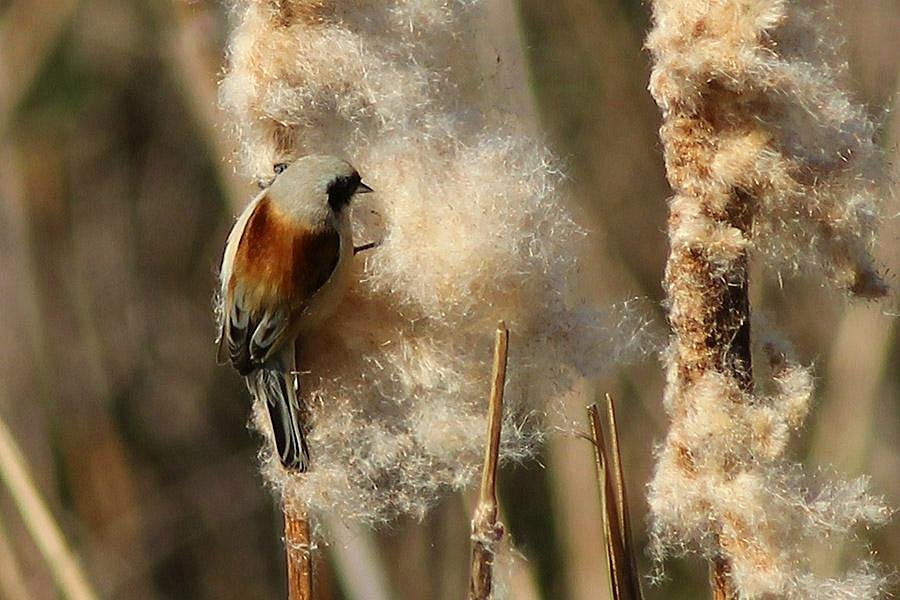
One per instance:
(327, 177)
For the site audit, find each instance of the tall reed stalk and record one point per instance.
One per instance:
(766, 156)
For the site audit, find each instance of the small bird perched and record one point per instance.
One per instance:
(285, 268)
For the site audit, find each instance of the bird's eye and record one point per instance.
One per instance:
(279, 168)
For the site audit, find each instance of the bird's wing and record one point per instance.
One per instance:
(275, 270)
(228, 314)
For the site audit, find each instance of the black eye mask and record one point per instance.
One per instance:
(341, 190)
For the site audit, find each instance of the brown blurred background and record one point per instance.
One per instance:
(116, 196)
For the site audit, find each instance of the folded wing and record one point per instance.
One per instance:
(271, 270)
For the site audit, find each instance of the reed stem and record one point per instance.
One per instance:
(298, 552)
(623, 573)
(487, 531)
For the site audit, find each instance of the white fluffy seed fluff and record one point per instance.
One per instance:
(809, 155)
(472, 228)
(755, 121)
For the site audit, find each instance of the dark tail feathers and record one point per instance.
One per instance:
(278, 390)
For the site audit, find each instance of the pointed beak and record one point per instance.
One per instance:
(363, 189)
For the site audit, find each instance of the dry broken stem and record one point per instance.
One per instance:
(624, 581)
(487, 531)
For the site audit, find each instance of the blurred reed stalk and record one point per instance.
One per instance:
(623, 573)
(29, 31)
(60, 559)
(357, 561)
(12, 578)
(486, 530)
(194, 62)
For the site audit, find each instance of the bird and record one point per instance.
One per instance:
(286, 266)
